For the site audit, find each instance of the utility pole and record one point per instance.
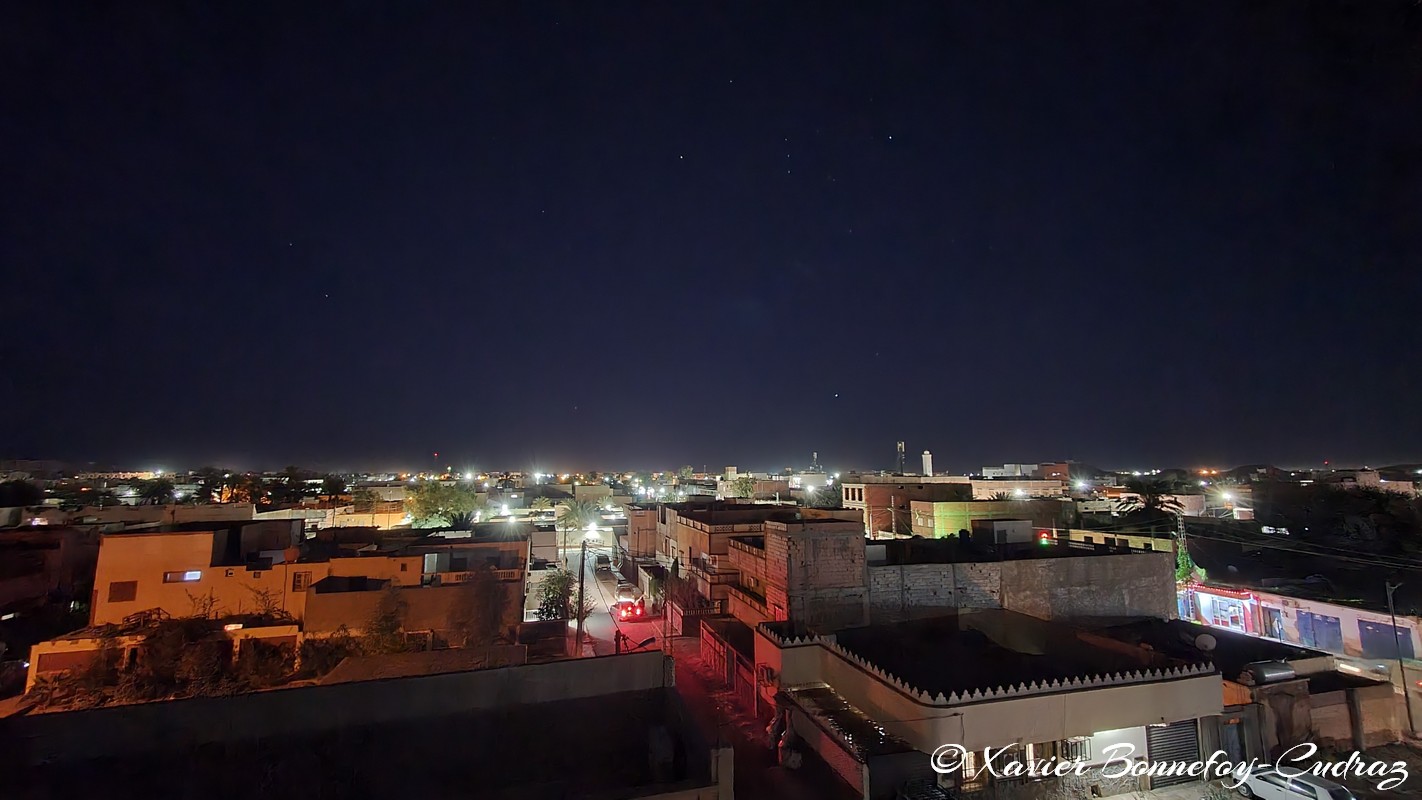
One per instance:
(1397, 648)
(578, 610)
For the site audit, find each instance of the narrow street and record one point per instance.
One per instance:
(758, 772)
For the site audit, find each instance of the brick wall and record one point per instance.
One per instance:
(923, 590)
(825, 575)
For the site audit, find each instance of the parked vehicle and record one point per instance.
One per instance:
(630, 609)
(603, 564)
(1271, 783)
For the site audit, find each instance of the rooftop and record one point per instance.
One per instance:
(865, 737)
(1230, 651)
(953, 550)
(985, 649)
(429, 662)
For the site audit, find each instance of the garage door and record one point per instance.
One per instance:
(1178, 742)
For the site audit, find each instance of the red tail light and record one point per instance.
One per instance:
(639, 611)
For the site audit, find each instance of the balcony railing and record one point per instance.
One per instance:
(717, 576)
(514, 574)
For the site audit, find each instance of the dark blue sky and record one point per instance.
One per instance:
(621, 234)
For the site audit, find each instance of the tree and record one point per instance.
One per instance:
(541, 504)
(478, 615)
(1185, 568)
(684, 474)
(20, 493)
(365, 500)
(578, 515)
(827, 496)
(384, 631)
(1151, 500)
(333, 485)
(244, 488)
(555, 594)
(290, 486)
(209, 482)
(744, 486)
(431, 503)
(1000, 496)
(156, 492)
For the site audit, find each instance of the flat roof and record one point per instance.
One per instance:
(968, 650)
(953, 550)
(1231, 651)
(864, 737)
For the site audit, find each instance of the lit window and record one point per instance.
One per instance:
(182, 577)
(300, 580)
(1077, 748)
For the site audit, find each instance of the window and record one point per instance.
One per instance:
(123, 591)
(300, 580)
(404, 567)
(1273, 779)
(971, 780)
(182, 577)
(1075, 749)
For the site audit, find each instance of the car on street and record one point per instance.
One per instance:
(626, 591)
(629, 609)
(1272, 783)
(603, 564)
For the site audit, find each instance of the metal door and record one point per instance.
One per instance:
(1178, 742)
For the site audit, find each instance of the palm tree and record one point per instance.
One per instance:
(541, 504)
(1150, 501)
(156, 492)
(578, 514)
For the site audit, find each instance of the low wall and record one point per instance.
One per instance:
(76, 735)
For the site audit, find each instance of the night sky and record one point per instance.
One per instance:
(644, 234)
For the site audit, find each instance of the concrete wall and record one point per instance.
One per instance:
(1119, 585)
(819, 740)
(80, 735)
(943, 519)
(642, 537)
(1138, 584)
(1375, 708)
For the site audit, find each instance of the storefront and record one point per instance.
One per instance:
(1223, 608)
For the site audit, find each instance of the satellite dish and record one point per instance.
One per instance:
(1205, 642)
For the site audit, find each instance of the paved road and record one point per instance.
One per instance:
(601, 624)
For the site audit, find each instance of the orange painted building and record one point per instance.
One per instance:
(218, 569)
